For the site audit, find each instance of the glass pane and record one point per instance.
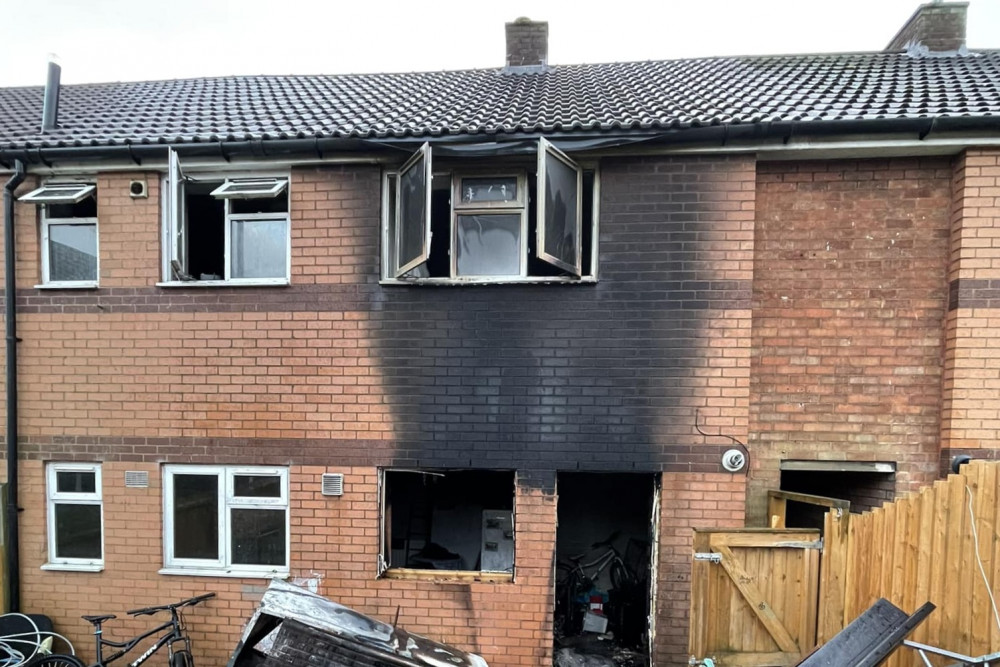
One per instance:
(489, 189)
(259, 248)
(258, 537)
(412, 213)
(257, 486)
(489, 245)
(85, 208)
(72, 252)
(278, 204)
(76, 481)
(196, 516)
(560, 211)
(78, 531)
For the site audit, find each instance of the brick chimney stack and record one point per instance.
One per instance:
(527, 43)
(934, 27)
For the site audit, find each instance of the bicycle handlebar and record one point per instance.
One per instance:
(145, 611)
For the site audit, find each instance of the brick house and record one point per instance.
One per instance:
(413, 338)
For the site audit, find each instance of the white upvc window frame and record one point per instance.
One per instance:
(69, 193)
(391, 273)
(175, 230)
(59, 193)
(54, 497)
(227, 500)
(517, 207)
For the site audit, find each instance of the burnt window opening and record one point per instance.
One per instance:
(450, 520)
(225, 228)
(489, 220)
(864, 490)
(604, 569)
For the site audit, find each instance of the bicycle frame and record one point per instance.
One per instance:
(168, 639)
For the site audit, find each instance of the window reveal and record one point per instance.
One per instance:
(75, 514)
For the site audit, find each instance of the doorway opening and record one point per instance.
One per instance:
(604, 568)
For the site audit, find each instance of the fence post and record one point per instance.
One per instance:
(833, 574)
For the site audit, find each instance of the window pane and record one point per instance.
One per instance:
(196, 516)
(78, 531)
(259, 248)
(72, 252)
(489, 189)
(76, 481)
(258, 537)
(257, 486)
(413, 220)
(561, 240)
(489, 245)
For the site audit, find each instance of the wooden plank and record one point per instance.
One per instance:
(833, 575)
(810, 601)
(700, 591)
(761, 608)
(776, 659)
(939, 575)
(776, 510)
(808, 499)
(957, 588)
(898, 566)
(993, 573)
(853, 571)
(922, 587)
(981, 478)
(779, 539)
(888, 540)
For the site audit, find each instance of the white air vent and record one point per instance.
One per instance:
(333, 484)
(136, 479)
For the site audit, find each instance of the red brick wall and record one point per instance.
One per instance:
(971, 388)
(849, 298)
(688, 502)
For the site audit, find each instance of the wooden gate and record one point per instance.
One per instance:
(754, 596)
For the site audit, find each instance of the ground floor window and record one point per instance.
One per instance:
(447, 520)
(75, 516)
(226, 519)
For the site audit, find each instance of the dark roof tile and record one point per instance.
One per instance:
(661, 95)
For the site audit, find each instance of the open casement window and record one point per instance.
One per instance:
(447, 524)
(413, 212)
(75, 516)
(558, 231)
(226, 519)
(490, 219)
(226, 230)
(60, 193)
(68, 213)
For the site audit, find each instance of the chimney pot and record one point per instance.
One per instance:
(527, 43)
(935, 26)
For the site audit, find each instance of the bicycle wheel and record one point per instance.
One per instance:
(182, 658)
(56, 660)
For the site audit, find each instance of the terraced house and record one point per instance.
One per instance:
(415, 338)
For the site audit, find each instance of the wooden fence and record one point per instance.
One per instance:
(916, 549)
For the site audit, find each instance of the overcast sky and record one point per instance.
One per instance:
(128, 40)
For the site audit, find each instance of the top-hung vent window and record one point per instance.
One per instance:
(60, 193)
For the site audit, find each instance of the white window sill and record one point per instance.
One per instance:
(216, 572)
(73, 567)
(270, 282)
(82, 285)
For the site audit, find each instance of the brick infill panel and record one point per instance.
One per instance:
(970, 293)
(670, 295)
(702, 458)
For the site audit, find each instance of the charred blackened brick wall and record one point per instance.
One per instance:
(850, 297)
(336, 372)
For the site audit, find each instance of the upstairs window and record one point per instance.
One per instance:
(225, 229)
(68, 233)
(489, 221)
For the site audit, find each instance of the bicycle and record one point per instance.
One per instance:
(579, 578)
(175, 634)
